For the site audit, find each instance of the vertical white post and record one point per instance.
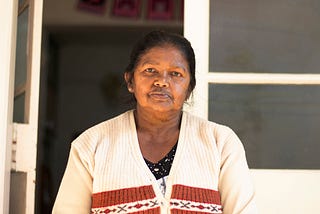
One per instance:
(36, 35)
(196, 30)
(8, 22)
(30, 138)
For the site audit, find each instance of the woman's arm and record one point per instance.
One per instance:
(75, 191)
(235, 182)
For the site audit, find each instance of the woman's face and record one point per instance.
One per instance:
(161, 79)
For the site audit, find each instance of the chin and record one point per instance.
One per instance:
(166, 109)
(161, 107)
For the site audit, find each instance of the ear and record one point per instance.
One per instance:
(188, 95)
(128, 78)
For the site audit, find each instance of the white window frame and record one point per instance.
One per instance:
(20, 156)
(8, 22)
(276, 190)
(263, 78)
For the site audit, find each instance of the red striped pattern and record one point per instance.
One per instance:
(155, 210)
(121, 196)
(195, 194)
(149, 211)
(177, 211)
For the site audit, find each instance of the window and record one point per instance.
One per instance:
(265, 79)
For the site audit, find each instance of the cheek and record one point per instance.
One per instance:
(140, 87)
(183, 91)
(138, 83)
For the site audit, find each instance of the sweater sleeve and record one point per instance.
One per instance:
(75, 190)
(235, 182)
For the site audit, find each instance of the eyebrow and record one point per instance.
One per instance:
(152, 62)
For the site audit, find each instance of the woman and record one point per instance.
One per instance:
(157, 158)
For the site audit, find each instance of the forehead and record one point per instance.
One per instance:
(164, 52)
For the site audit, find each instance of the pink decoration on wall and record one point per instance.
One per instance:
(96, 6)
(160, 9)
(128, 8)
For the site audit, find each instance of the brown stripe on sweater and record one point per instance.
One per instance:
(121, 196)
(195, 194)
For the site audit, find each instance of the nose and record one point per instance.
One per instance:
(161, 81)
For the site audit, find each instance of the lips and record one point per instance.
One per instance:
(160, 95)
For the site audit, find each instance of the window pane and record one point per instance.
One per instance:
(265, 36)
(18, 108)
(278, 125)
(21, 2)
(21, 51)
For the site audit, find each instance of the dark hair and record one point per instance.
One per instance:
(160, 38)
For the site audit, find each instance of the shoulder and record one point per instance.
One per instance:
(219, 130)
(90, 139)
(218, 133)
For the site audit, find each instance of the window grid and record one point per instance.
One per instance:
(263, 78)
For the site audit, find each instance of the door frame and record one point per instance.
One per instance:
(21, 155)
(8, 22)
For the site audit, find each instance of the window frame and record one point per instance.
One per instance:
(284, 184)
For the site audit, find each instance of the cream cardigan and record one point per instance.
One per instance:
(106, 172)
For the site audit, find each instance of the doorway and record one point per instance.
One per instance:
(82, 82)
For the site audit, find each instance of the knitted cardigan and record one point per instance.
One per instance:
(106, 172)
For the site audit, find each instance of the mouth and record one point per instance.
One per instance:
(160, 95)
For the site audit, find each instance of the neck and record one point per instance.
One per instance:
(153, 122)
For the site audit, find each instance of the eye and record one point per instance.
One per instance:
(176, 74)
(150, 70)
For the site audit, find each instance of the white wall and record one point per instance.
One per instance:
(287, 191)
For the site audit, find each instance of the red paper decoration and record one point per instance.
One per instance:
(160, 9)
(129, 8)
(97, 6)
